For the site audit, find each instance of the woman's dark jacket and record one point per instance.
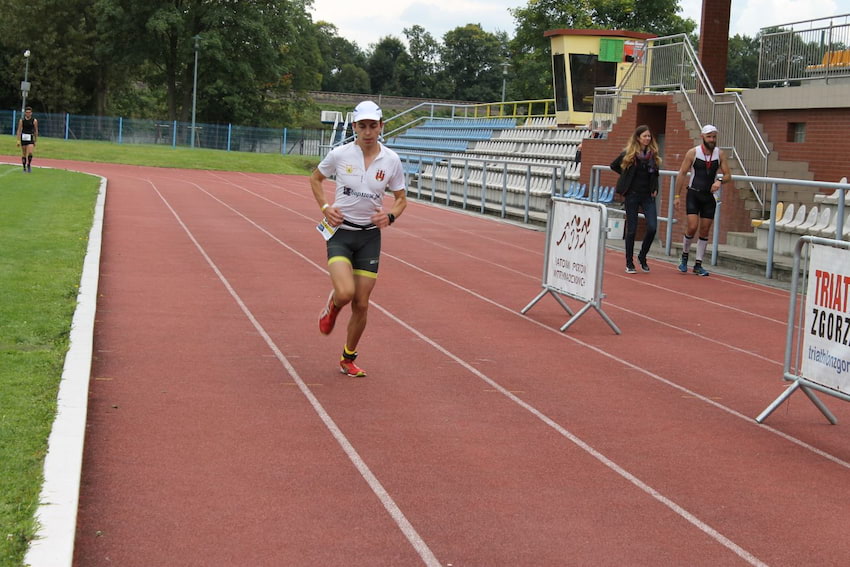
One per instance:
(624, 183)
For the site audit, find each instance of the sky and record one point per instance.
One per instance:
(365, 22)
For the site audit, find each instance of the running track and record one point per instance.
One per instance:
(221, 433)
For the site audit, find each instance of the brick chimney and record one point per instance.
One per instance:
(714, 41)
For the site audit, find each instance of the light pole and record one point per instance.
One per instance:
(197, 38)
(505, 66)
(25, 86)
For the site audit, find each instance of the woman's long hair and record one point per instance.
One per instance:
(633, 148)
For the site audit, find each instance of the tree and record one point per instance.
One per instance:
(472, 61)
(419, 77)
(530, 53)
(387, 65)
(250, 53)
(338, 54)
(651, 16)
(353, 79)
(60, 35)
(743, 67)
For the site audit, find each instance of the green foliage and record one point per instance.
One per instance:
(529, 49)
(472, 59)
(742, 70)
(419, 77)
(338, 54)
(353, 79)
(387, 65)
(651, 16)
(257, 59)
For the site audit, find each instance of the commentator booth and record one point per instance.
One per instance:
(585, 59)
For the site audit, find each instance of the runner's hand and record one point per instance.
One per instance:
(333, 215)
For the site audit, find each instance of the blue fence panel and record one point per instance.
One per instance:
(121, 130)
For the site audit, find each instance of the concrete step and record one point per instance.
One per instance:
(741, 239)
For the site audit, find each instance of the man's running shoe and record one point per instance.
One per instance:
(700, 271)
(683, 265)
(327, 318)
(348, 367)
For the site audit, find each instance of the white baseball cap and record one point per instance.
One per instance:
(708, 129)
(367, 110)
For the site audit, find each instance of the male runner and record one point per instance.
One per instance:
(364, 169)
(27, 134)
(703, 163)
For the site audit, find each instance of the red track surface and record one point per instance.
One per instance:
(221, 433)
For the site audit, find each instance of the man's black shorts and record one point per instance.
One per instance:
(362, 248)
(700, 203)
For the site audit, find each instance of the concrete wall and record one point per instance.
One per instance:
(825, 111)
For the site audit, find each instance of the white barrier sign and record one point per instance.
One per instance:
(573, 250)
(826, 346)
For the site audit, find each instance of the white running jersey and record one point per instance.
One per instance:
(360, 191)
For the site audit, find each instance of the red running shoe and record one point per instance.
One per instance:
(348, 367)
(327, 318)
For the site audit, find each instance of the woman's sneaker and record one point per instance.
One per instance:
(630, 269)
(643, 265)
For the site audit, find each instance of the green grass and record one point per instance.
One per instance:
(166, 156)
(45, 218)
(44, 230)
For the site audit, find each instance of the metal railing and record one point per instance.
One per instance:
(807, 51)
(672, 66)
(519, 109)
(667, 197)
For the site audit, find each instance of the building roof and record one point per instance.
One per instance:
(601, 33)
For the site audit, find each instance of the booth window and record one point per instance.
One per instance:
(559, 72)
(588, 72)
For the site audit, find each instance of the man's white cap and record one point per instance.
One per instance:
(708, 129)
(367, 110)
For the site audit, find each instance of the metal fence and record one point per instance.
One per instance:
(807, 51)
(672, 66)
(288, 141)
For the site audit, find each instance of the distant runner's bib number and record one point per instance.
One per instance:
(26, 137)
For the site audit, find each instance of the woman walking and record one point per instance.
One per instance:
(638, 167)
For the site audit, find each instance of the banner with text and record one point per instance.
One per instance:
(573, 249)
(826, 346)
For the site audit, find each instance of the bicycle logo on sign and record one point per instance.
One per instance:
(575, 233)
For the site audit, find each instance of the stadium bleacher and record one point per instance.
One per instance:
(515, 166)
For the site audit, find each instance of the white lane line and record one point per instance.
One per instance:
(691, 518)
(608, 302)
(632, 366)
(425, 553)
(678, 510)
(524, 249)
(565, 336)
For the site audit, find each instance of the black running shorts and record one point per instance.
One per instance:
(362, 249)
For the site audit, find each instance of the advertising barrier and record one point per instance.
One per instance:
(821, 330)
(574, 260)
